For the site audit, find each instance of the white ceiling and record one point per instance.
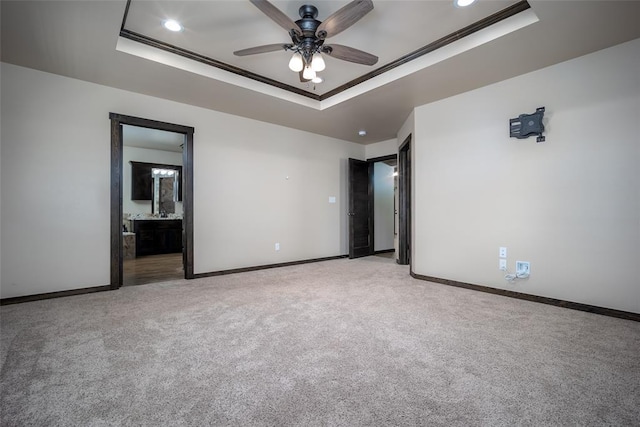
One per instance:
(216, 29)
(79, 38)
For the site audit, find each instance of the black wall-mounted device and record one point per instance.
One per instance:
(526, 125)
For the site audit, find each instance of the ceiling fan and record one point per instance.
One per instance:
(308, 36)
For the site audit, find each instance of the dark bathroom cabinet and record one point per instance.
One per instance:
(158, 236)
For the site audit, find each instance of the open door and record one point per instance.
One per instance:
(404, 197)
(360, 226)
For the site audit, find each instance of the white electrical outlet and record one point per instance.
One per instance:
(523, 268)
(277, 246)
(502, 252)
(503, 265)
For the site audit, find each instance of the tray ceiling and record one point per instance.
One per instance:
(215, 29)
(81, 40)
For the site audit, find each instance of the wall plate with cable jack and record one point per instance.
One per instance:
(523, 269)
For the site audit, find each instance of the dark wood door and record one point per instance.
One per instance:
(360, 226)
(404, 198)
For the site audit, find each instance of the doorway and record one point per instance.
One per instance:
(404, 202)
(371, 206)
(183, 236)
(384, 205)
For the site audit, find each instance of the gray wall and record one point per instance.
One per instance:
(255, 184)
(381, 149)
(570, 206)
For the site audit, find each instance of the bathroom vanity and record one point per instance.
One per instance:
(157, 236)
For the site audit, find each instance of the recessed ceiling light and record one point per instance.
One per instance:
(172, 25)
(463, 3)
(362, 133)
(317, 79)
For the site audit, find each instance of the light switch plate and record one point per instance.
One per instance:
(502, 252)
(502, 265)
(332, 199)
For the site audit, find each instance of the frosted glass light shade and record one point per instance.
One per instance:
(317, 62)
(308, 73)
(296, 63)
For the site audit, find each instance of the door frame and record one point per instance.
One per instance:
(117, 121)
(351, 209)
(372, 193)
(371, 197)
(404, 202)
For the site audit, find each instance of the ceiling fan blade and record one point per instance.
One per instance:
(350, 54)
(344, 18)
(261, 49)
(277, 16)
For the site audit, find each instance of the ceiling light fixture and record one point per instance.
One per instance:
(317, 80)
(362, 133)
(172, 25)
(317, 62)
(296, 64)
(308, 73)
(308, 36)
(463, 3)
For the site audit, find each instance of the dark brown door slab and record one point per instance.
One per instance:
(360, 226)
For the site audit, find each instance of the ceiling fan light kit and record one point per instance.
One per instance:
(308, 73)
(317, 62)
(308, 36)
(296, 64)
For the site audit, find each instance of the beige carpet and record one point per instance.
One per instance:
(344, 343)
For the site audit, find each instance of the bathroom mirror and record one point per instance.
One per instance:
(166, 183)
(147, 185)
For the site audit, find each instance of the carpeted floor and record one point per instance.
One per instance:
(344, 343)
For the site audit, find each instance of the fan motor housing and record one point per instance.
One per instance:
(308, 11)
(308, 24)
